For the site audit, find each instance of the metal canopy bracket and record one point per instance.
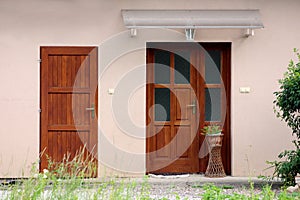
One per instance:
(193, 19)
(190, 33)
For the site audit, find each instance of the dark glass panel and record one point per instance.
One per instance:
(182, 67)
(162, 107)
(161, 67)
(212, 104)
(212, 67)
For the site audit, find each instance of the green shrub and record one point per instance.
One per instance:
(287, 108)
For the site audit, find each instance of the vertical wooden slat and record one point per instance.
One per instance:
(77, 72)
(75, 109)
(78, 105)
(82, 71)
(59, 71)
(54, 71)
(50, 143)
(50, 72)
(86, 114)
(68, 141)
(77, 142)
(68, 71)
(59, 108)
(50, 109)
(64, 143)
(59, 146)
(64, 108)
(72, 69)
(63, 71)
(54, 146)
(73, 142)
(69, 114)
(87, 72)
(53, 109)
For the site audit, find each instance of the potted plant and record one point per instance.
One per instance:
(211, 130)
(213, 135)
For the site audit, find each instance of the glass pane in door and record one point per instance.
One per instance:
(162, 67)
(213, 67)
(212, 104)
(162, 104)
(182, 67)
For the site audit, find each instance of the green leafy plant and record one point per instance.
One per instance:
(287, 102)
(211, 129)
(289, 167)
(287, 108)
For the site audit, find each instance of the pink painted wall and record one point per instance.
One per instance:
(257, 62)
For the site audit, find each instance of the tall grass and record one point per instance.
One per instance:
(70, 179)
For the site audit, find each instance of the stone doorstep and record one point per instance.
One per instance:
(193, 179)
(187, 179)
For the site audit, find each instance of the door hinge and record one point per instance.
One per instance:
(39, 60)
(39, 110)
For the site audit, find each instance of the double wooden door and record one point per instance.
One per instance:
(68, 102)
(188, 86)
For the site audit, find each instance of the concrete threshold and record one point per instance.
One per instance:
(200, 180)
(228, 180)
(194, 180)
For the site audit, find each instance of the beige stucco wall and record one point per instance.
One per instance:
(257, 62)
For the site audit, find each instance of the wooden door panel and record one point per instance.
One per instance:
(68, 109)
(68, 88)
(162, 140)
(183, 99)
(64, 70)
(183, 141)
(66, 143)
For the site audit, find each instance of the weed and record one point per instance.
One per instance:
(66, 180)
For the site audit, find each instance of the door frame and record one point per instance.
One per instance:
(225, 48)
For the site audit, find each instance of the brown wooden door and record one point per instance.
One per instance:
(184, 93)
(68, 102)
(215, 67)
(172, 140)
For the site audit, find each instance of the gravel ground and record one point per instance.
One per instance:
(178, 187)
(194, 191)
(169, 191)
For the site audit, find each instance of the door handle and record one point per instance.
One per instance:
(92, 109)
(193, 106)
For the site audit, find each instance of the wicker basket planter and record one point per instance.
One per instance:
(215, 166)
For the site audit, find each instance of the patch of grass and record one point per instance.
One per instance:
(66, 180)
(226, 187)
(213, 192)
